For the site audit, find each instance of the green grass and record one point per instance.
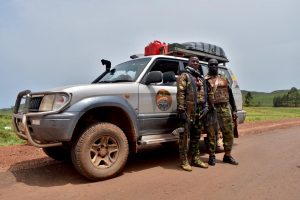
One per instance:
(270, 113)
(7, 136)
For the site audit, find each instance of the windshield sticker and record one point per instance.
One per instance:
(163, 99)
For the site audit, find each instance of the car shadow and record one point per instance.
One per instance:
(46, 172)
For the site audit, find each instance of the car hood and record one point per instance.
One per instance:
(79, 92)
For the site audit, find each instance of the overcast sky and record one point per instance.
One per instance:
(45, 44)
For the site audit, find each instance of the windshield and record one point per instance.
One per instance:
(126, 72)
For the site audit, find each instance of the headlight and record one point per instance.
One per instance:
(53, 102)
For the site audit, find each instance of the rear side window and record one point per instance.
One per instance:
(201, 68)
(204, 69)
(222, 71)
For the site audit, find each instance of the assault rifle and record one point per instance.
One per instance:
(235, 126)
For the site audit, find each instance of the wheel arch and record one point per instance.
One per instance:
(113, 110)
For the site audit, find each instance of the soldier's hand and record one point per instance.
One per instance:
(234, 115)
(182, 116)
(205, 110)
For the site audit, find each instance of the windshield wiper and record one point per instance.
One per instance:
(105, 81)
(115, 81)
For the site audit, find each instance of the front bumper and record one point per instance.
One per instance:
(45, 130)
(241, 114)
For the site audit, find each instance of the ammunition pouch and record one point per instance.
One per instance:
(221, 95)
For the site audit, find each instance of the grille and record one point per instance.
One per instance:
(34, 104)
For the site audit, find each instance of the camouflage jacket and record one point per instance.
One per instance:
(187, 100)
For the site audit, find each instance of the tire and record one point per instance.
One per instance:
(58, 153)
(100, 152)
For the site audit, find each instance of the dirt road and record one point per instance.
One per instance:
(269, 169)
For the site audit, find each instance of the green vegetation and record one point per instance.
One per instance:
(291, 99)
(6, 111)
(278, 98)
(7, 136)
(270, 113)
(248, 99)
(263, 99)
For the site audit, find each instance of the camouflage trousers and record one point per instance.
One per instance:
(220, 118)
(189, 139)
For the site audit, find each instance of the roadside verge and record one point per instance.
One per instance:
(262, 126)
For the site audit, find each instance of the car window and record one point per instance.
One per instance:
(169, 68)
(224, 72)
(202, 66)
(204, 69)
(166, 66)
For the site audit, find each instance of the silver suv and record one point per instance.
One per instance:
(97, 125)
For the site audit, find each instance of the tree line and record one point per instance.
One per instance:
(291, 99)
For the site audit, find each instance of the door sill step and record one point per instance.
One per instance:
(152, 139)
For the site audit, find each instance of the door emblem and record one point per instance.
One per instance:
(163, 99)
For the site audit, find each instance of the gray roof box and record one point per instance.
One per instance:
(203, 51)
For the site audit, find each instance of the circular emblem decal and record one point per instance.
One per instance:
(163, 100)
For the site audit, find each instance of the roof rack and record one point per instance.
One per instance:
(180, 51)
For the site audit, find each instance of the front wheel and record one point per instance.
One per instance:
(100, 152)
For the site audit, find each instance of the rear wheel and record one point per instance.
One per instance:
(59, 153)
(100, 152)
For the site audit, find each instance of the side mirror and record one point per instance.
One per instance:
(154, 77)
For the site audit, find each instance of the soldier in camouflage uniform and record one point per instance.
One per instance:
(222, 104)
(190, 103)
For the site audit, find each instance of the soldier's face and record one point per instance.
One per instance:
(213, 69)
(194, 63)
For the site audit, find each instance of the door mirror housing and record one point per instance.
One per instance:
(154, 77)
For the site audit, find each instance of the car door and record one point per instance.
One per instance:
(157, 102)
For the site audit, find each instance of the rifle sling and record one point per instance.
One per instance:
(194, 89)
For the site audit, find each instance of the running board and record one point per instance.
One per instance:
(152, 139)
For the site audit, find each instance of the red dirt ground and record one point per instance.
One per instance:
(11, 155)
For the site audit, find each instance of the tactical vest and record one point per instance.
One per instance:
(189, 102)
(219, 89)
(199, 89)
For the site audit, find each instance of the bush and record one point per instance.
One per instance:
(291, 99)
(7, 136)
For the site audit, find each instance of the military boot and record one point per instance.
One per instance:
(197, 162)
(184, 163)
(212, 160)
(230, 160)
